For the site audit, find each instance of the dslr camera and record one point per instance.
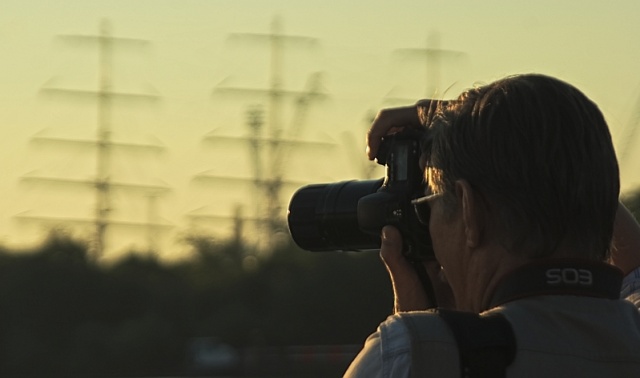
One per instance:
(350, 215)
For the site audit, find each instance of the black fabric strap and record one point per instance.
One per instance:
(486, 344)
(559, 277)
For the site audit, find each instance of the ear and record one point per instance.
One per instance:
(472, 213)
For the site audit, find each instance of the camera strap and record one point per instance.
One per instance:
(559, 277)
(486, 343)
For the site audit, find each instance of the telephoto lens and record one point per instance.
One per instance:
(324, 217)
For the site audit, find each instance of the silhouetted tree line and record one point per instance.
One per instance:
(63, 315)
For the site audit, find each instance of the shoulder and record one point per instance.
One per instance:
(387, 352)
(427, 322)
(397, 331)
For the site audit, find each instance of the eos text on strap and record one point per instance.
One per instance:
(559, 277)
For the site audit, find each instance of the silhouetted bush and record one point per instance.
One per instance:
(62, 314)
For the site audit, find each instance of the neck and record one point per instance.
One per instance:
(484, 272)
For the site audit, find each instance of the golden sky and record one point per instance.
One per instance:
(195, 48)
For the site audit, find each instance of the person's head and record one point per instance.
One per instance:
(539, 154)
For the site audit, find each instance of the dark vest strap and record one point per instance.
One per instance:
(486, 344)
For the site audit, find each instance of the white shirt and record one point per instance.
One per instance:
(557, 335)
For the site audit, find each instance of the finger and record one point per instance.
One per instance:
(407, 287)
(391, 249)
(388, 120)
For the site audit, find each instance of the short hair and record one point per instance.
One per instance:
(540, 154)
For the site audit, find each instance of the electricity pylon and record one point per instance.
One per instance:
(269, 216)
(433, 57)
(270, 142)
(104, 94)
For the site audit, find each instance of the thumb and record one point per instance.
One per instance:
(407, 287)
(391, 249)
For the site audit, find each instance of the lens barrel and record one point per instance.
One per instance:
(324, 217)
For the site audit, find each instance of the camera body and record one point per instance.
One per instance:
(350, 215)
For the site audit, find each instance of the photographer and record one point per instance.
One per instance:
(523, 189)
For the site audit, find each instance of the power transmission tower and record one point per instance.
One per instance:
(103, 182)
(269, 152)
(433, 56)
